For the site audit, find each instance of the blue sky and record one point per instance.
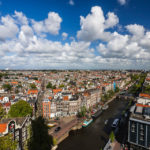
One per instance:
(75, 34)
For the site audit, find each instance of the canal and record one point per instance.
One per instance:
(96, 135)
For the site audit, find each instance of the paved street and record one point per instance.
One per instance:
(65, 127)
(40, 98)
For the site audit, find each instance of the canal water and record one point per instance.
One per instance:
(96, 135)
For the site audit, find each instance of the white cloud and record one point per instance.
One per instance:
(50, 25)
(8, 28)
(21, 18)
(111, 21)
(24, 43)
(71, 2)
(64, 35)
(136, 30)
(122, 2)
(94, 24)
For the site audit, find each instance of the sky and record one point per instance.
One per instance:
(74, 34)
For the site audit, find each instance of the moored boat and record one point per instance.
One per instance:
(87, 122)
(105, 107)
(98, 113)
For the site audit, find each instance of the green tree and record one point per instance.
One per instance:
(49, 85)
(54, 141)
(20, 109)
(1, 75)
(19, 86)
(112, 136)
(61, 85)
(40, 139)
(35, 78)
(7, 87)
(2, 112)
(32, 86)
(54, 87)
(82, 113)
(6, 143)
(117, 89)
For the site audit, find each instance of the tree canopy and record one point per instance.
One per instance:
(61, 85)
(2, 112)
(40, 139)
(82, 113)
(7, 87)
(20, 109)
(33, 86)
(49, 85)
(6, 143)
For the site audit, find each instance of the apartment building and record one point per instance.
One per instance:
(19, 128)
(139, 126)
(46, 108)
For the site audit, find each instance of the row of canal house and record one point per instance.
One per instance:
(68, 104)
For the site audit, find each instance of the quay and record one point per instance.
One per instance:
(66, 127)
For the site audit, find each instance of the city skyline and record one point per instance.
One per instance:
(55, 34)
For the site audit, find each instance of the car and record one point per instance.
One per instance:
(115, 123)
(106, 121)
(57, 129)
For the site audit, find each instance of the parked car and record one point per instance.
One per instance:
(57, 129)
(106, 121)
(115, 123)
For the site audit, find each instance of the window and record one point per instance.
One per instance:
(141, 127)
(142, 137)
(133, 127)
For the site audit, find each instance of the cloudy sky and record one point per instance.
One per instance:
(75, 34)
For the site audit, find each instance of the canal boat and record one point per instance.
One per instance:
(105, 107)
(97, 114)
(87, 122)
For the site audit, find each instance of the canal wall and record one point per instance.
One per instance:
(60, 139)
(64, 134)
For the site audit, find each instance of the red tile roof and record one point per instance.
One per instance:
(56, 90)
(37, 81)
(141, 105)
(7, 104)
(32, 91)
(49, 97)
(14, 82)
(1, 98)
(3, 127)
(144, 95)
(65, 98)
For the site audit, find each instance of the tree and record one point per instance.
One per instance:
(1, 75)
(20, 109)
(40, 138)
(61, 85)
(6, 143)
(33, 86)
(2, 112)
(117, 89)
(82, 113)
(49, 85)
(7, 87)
(112, 136)
(111, 93)
(19, 86)
(35, 78)
(54, 87)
